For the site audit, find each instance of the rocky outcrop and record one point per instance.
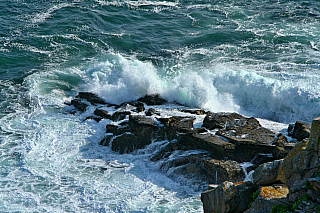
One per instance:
(228, 197)
(153, 100)
(301, 130)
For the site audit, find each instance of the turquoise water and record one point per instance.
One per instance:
(258, 58)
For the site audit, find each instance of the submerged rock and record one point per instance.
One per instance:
(79, 105)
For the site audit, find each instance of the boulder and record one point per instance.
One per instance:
(203, 168)
(267, 173)
(90, 97)
(194, 111)
(151, 112)
(175, 125)
(79, 105)
(154, 99)
(120, 115)
(230, 121)
(125, 143)
(301, 130)
(268, 197)
(97, 119)
(228, 197)
(102, 113)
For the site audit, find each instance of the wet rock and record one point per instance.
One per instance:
(267, 173)
(218, 147)
(120, 115)
(106, 140)
(204, 167)
(152, 100)
(90, 97)
(268, 197)
(125, 143)
(301, 130)
(97, 119)
(230, 121)
(151, 112)
(102, 113)
(175, 125)
(228, 197)
(111, 128)
(79, 105)
(194, 111)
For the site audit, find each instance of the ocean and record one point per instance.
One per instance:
(257, 58)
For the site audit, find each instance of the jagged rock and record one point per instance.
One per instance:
(204, 167)
(90, 97)
(102, 113)
(267, 173)
(301, 130)
(94, 118)
(120, 115)
(139, 106)
(151, 112)
(268, 197)
(230, 121)
(152, 100)
(125, 143)
(79, 105)
(228, 197)
(194, 111)
(218, 147)
(176, 124)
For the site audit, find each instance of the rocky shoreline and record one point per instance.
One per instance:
(249, 168)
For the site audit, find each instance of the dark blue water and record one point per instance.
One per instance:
(258, 58)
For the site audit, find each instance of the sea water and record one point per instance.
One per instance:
(257, 58)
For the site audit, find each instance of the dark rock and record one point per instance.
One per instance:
(201, 167)
(216, 145)
(152, 111)
(79, 105)
(90, 97)
(153, 100)
(194, 111)
(125, 143)
(262, 158)
(230, 121)
(228, 197)
(290, 129)
(111, 128)
(175, 125)
(120, 115)
(267, 173)
(94, 118)
(139, 106)
(301, 130)
(106, 140)
(280, 141)
(102, 113)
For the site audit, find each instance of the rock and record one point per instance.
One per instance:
(301, 130)
(90, 97)
(315, 183)
(102, 113)
(152, 100)
(139, 106)
(79, 105)
(268, 197)
(94, 118)
(218, 147)
(230, 121)
(125, 143)
(176, 124)
(267, 173)
(204, 168)
(280, 141)
(228, 197)
(194, 111)
(152, 111)
(120, 115)
(111, 128)
(106, 140)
